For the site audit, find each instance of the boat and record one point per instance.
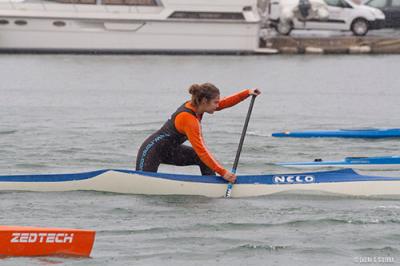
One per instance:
(39, 241)
(342, 133)
(345, 181)
(176, 26)
(372, 163)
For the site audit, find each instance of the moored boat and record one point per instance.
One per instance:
(178, 26)
(344, 181)
(373, 163)
(41, 241)
(342, 133)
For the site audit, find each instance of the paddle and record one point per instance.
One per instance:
(235, 164)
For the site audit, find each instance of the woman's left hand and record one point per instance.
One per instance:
(255, 92)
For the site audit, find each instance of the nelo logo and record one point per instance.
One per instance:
(293, 179)
(42, 238)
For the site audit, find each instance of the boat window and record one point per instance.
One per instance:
(346, 5)
(130, 2)
(20, 22)
(377, 3)
(337, 3)
(85, 2)
(3, 22)
(207, 15)
(59, 23)
(396, 3)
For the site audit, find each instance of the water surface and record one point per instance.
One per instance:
(71, 113)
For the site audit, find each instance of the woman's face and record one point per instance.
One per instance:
(211, 105)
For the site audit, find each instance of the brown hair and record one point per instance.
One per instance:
(201, 91)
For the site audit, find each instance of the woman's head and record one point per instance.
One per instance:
(205, 95)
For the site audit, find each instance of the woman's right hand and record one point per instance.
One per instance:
(230, 177)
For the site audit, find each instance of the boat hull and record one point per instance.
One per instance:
(361, 133)
(367, 163)
(170, 26)
(345, 182)
(305, 165)
(150, 36)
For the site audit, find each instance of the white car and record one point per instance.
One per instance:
(344, 15)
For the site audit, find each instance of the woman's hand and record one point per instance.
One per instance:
(230, 177)
(255, 92)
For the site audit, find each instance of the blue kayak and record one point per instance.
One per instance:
(343, 133)
(376, 163)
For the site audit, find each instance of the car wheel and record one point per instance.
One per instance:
(359, 27)
(284, 28)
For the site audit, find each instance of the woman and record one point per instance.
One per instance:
(165, 145)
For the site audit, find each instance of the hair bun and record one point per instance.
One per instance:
(194, 89)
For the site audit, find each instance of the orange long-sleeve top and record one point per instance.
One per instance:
(189, 125)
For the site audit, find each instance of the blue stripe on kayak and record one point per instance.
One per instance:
(51, 177)
(345, 175)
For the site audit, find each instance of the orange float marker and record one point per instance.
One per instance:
(37, 241)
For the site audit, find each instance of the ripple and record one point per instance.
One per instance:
(253, 226)
(313, 222)
(7, 132)
(31, 165)
(144, 123)
(389, 207)
(152, 230)
(69, 150)
(388, 249)
(259, 134)
(333, 221)
(256, 247)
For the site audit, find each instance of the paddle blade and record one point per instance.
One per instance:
(228, 190)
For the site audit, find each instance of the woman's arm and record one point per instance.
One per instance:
(233, 99)
(187, 124)
(237, 98)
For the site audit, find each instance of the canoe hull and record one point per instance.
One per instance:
(381, 167)
(366, 163)
(345, 182)
(362, 133)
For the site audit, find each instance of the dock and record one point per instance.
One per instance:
(332, 44)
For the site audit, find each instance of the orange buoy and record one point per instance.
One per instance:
(37, 241)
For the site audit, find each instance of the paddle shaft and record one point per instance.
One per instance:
(246, 123)
(239, 150)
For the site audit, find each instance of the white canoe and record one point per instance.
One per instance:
(346, 182)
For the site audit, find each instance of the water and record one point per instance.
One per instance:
(72, 113)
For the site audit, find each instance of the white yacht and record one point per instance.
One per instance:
(213, 26)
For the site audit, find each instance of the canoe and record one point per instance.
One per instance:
(342, 133)
(344, 181)
(371, 163)
(38, 241)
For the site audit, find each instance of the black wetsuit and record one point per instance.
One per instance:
(166, 146)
